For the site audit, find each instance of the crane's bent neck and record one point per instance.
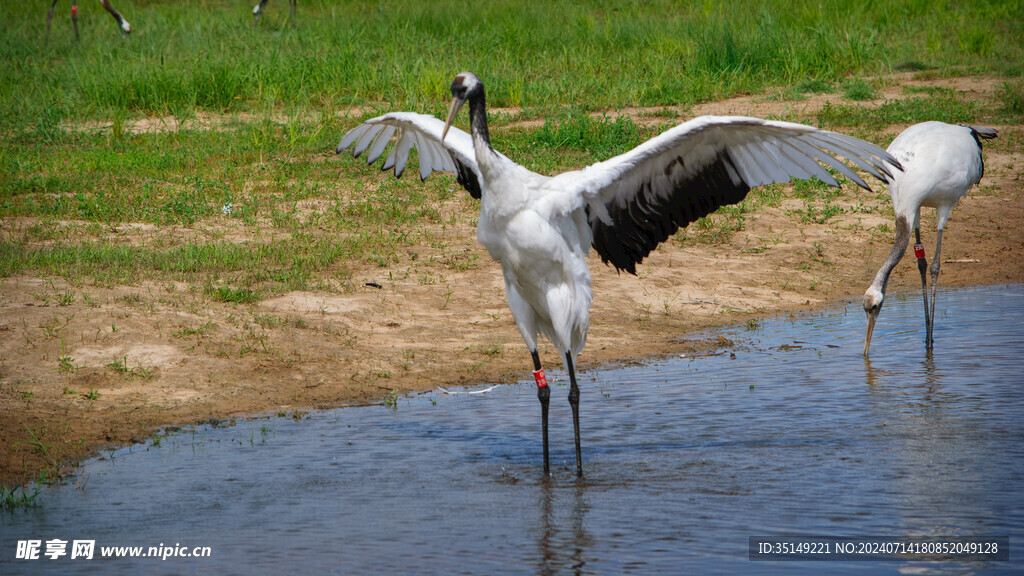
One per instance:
(899, 247)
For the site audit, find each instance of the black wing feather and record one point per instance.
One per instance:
(467, 177)
(638, 227)
(981, 133)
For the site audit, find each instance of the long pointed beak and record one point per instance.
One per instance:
(868, 331)
(453, 109)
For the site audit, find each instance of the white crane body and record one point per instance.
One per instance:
(940, 163)
(540, 228)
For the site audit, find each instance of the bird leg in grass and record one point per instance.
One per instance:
(74, 18)
(936, 263)
(544, 395)
(49, 17)
(922, 267)
(574, 402)
(121, 22)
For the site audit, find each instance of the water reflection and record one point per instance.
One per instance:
(929, 413)
(562, 542)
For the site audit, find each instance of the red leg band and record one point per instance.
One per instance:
(74, 10)
(919, 250)
(541, 380)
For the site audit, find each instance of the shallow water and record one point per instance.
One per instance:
(789, 432)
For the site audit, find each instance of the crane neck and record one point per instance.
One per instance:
(899, 247)
(478, 120)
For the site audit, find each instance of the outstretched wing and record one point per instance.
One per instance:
(638, 199)
(409, 129)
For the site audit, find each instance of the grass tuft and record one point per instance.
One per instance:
(1011, 95)
(945, 107)
(857, 89)
(18, 497)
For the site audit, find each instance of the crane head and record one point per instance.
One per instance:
(465, 86)
(873, 300)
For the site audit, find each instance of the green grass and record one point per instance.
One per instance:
(19, 497)
(189, 56)
(597, 138)
(1012, 98)
(258, 107)
(120, 365)
(51, 471)
(857, 89)
(942, 106)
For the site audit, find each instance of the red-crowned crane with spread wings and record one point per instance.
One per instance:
(540, 228)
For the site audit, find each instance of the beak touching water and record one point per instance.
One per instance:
(453, 109)
(872, 316)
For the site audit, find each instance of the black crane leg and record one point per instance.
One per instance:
(922, 266)
(936, 264)
(544, 395)
(74, 18)
(574, 402)
(49, 16)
